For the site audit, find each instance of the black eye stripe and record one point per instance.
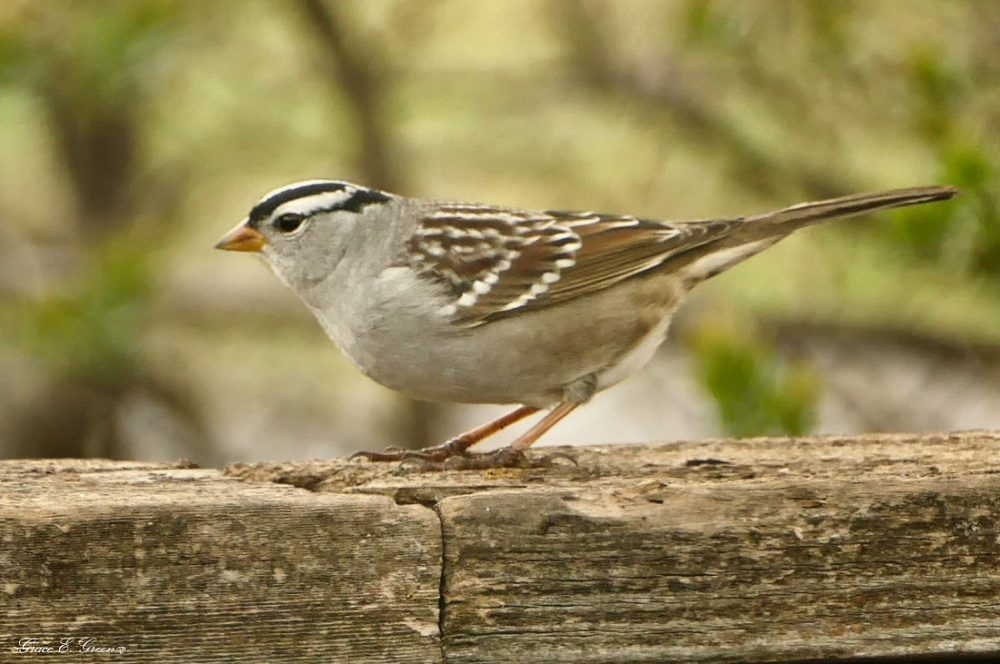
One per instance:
(357, 199)
(356, 203)
(363, 198)
(293, 192)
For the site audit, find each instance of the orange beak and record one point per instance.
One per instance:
(241, 238)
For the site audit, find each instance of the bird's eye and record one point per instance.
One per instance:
(289, 222)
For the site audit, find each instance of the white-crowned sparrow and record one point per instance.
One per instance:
(463, 302)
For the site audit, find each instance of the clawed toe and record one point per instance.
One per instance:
(433, 454)
(505, 457)
(454, 454)
(427, 462)
(502, 458)
(389, 454)
(430, 454)
(442, 458)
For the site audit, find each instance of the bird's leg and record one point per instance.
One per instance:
(513, 454)
(457, 445)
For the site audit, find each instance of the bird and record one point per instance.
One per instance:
(467, 302)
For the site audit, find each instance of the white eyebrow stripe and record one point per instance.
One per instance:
(309, 205)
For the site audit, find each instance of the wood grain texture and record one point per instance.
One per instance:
(186, 565)
(709, 551)
(790, 572)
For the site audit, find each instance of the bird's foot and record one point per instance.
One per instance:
(448, 457)
(505, 457)
(453, 448)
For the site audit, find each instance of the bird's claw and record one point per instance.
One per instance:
(505, 457)
(437, 453)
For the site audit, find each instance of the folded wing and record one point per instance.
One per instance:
(499, 260)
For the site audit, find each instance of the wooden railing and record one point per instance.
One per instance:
(711, 551)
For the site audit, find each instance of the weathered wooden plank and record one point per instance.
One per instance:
(813, 547)
(186, 565)
(849, 553)
(709, 551)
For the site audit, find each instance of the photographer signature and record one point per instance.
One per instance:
(66, 645)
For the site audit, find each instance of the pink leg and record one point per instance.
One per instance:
(513, 454)
(459, 444)
(546, 423)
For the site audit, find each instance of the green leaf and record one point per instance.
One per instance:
(756, 391)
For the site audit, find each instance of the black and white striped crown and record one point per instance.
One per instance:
(313, 197)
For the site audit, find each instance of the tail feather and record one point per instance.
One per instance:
(761, 231)
(806, 214)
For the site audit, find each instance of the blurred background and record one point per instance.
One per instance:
(133, 133)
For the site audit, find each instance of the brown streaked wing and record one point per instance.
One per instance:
(499, 260)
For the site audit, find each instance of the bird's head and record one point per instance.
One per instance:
(301, 230)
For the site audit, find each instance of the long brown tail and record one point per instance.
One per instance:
(805, 214)
(754, 234)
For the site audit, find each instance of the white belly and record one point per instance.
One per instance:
(636, 358)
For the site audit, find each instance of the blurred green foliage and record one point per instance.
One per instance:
(756, 391)
(133, 132)
(82, 67)
(946, 115)
(94, 328)
(966, 237)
